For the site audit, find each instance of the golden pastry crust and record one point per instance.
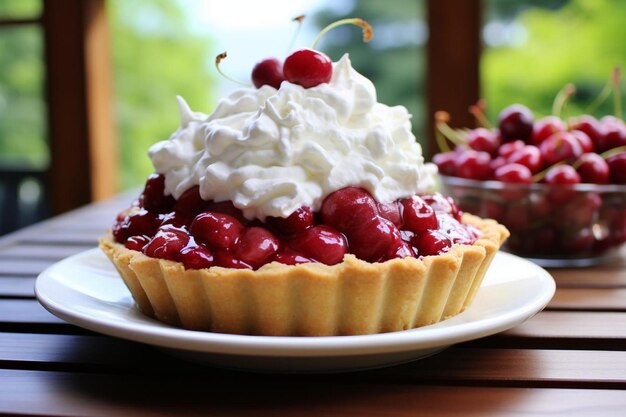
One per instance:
(311, 299)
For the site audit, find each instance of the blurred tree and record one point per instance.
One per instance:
(155, 58)
(393, 59)
(22, 110)
(578, 41)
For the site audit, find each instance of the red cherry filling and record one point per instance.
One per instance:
(308, 68)
(256, 246)
(347, 206)
(350, 221)
(217, 230)
(153, 197)
(167, 243)
(321, 243)
(371, 240)
(296, 222)
(417, 215)
(196, 257)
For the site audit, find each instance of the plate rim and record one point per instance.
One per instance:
(153, 332)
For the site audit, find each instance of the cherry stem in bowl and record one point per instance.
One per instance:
(617, 91)
(605, 93)
(446, 132)
(368, 34)
(218, 59)
(561, 99)
(478, 111)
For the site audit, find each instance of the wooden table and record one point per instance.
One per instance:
(569, 360)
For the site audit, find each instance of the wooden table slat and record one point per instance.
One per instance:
(17, 287)
(24, 267)
(25, 311)
(601, 299)
(39, 251)
(62, 393)
(516, 367)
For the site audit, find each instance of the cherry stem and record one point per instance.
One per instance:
(561, 99)
(604, 94)
(368, 34)
(478, 111)
(218, 59)
(612, 152)
(541, 175)
(444, 131)
(299, 20)
(617, 91)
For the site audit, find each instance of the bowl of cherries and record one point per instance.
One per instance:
(558, 185)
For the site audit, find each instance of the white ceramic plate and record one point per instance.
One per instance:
(85, 290)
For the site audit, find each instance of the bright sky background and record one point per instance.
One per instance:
(251, 30)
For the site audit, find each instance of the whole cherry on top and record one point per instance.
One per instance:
(306, 67)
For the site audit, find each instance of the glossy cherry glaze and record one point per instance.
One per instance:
(203, 234)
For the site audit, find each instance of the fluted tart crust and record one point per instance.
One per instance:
(311, 299)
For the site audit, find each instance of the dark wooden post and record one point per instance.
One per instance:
(82, 141)
(453, 61)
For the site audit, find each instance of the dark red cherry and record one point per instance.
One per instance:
(391, 212)
(289, 256)
(308, 68)
(269, 71)
(481, 139)
(153, 197)
(508, 148)
(562, 146)
(226, 207)
(372, 239)
(446, 162)
(516, 122)
(175, 218)
(444, 204)
(592, 127)
(256, 246)
(137, 242)
(431, 242)
(417, 215)
(190, 203)
(593, 169)
(584, 140)
(513, 173)
(346, 206)
(561, 176)
(473, 165)
(614, 132)
(217, 230)
(546, 127)
(322, 243)
(529, 156)
(196, 257)
(167, 243)
(617, 167)
(225, 259)
(294, 223)
(140, 222)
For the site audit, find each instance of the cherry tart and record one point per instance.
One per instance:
(357, 266)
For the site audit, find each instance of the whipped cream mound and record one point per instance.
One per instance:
(272, 151)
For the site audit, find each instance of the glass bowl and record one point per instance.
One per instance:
(555, 226)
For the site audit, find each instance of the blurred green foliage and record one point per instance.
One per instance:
(22, 109)
(397, 68)
(155, 58)
(577, 42)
